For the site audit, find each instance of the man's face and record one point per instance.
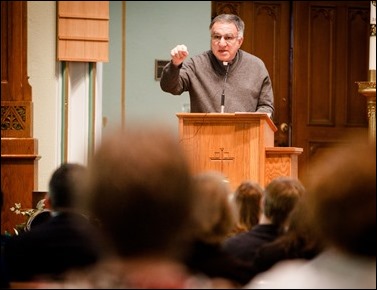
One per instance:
(225, 41)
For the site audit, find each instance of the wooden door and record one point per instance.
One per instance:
(315, 51)
(330, 54)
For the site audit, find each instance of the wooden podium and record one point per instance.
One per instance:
(240, 145)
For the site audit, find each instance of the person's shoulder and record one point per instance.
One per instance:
(247, 56)
(236, 239)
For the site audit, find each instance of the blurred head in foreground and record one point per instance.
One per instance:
(213, 212)
(139, 188)
(341, 199)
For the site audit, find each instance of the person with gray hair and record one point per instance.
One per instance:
(224, 78)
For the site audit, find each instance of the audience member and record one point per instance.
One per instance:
(298, 242)
(214, 217)
(341, 203)
(279, 198)
(247, 198)
(140, 188)
(66, 241)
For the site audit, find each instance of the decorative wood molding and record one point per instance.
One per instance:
(227, 7)
(16, 118)
(19, 151)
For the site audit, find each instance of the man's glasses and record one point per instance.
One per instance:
(229, 39)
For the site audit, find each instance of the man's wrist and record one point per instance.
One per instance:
(176, 65)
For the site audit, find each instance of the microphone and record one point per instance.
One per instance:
(225, 63)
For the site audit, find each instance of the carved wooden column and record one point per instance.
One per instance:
(19, 150)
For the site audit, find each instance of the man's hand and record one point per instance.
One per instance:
(179, 54)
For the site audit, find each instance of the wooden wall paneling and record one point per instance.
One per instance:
(322, 63)
(357, 62)
(13, 52)
(269, 35)
(330, 55)
(19, 150)
(19, 175)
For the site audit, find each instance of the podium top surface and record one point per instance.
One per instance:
(244, 116)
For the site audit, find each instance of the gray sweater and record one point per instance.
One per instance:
(248, 87)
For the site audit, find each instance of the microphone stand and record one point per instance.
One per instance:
(223, 93)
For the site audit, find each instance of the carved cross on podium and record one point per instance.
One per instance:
(222, 156)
